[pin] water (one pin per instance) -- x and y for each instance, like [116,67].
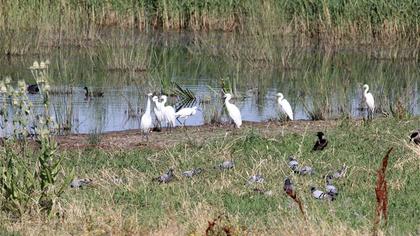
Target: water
[310,75]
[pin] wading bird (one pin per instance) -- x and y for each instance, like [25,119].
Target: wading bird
[168,113]
[321,143]
[233,111]
[158,110]
[285,106]
[185,113]
[369,100]
[146,119]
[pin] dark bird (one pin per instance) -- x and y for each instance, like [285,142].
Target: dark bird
[193,172]
[33,89]
[89,94]
[288,187]
[321,143]
[79,183]
[167,177]
[415,137]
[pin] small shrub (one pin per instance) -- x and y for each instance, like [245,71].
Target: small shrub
[30,178]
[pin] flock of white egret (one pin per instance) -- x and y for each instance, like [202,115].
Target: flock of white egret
[166,115]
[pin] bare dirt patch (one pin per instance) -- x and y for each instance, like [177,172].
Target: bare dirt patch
[132,139]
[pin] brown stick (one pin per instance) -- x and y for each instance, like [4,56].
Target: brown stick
[292,195]
[381,191]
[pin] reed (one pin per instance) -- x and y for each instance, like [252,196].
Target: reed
[60,22]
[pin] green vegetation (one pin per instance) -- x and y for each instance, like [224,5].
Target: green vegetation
[60,23]
[136,204]
[31,178]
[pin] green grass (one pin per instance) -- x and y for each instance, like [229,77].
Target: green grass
[184,206]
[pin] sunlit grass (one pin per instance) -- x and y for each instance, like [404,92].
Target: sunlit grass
[140,205]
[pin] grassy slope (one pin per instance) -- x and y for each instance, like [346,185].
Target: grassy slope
[185,206]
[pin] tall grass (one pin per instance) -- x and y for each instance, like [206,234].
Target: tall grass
[61,22]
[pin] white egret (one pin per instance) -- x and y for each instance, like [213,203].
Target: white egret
[158,111]
[146,119]
[233,111]
[168,113]
[369,100]
[285,106]
[185,113]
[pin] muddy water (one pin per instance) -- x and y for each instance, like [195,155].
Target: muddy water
[310,77]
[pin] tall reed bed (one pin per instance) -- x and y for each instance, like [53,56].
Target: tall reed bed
[79,22]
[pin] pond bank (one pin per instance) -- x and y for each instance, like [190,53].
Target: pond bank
[133,139]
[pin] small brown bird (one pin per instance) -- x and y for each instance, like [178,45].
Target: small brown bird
[321,143]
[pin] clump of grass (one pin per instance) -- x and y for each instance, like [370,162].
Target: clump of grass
[399,110]
[94,138]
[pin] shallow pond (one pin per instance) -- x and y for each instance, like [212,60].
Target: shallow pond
[315,78]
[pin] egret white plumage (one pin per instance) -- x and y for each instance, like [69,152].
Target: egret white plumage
[146,119]
[158,109]
[185,113]
[168,113]
[369,100]
[233,111]
[285,106]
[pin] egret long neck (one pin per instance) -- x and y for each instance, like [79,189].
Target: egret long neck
[227,99]
[366,89]
[148,105]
